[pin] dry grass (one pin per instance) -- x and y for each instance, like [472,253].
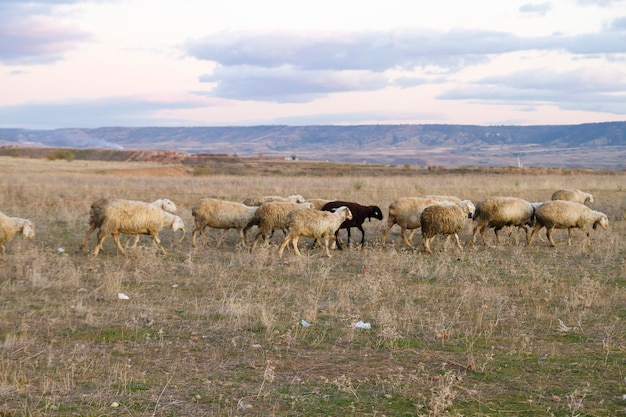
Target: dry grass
[218,331]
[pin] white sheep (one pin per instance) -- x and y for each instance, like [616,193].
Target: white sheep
[573,195]
[95,215]
[221,214]
[273,216]
[406,212]
[561,214]
[257,201]
[445,218]
[11,226]
[135,218]
[498,212]
[313,223]
[318,203]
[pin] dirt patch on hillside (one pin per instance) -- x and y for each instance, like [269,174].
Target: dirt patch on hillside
[152,172]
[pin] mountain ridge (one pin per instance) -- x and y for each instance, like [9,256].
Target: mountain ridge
[594,145]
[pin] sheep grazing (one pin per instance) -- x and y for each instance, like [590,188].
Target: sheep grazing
[561,214]
[406,212]
[257,201]
[310,222]
[273,216]
[359,214]
[445,218]
[135,218]
[573,195]
[498,212]
[221,214]
[95,211]
[11,226]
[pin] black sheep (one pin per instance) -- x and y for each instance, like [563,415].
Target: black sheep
[359,214]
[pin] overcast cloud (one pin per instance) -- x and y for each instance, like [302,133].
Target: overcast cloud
[189,62]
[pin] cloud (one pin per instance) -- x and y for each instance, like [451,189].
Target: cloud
[29,36]
[112,111]
[536,8]
[601,3]
[295,66]
[590,89]
[372,50]
[286,84]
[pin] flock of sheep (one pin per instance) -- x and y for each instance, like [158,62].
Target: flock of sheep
[321,220]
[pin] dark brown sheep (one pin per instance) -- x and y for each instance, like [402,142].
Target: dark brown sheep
[359,214]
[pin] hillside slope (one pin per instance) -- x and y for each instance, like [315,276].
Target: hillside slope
[596,145]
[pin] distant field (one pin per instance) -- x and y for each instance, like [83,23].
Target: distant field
[483,331]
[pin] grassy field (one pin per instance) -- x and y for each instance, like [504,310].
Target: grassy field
[484,331]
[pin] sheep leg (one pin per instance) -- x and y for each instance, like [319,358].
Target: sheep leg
[294,243]
[362,235]
[101,238]
[193,237]
[326,243]
[116,239]
[536,230]
[219,241]
[92,227]
[4,250]
[458,242]
[135,243]
[549,234]
[338,240]
[283,245]
[390,224]
[427,241]
[407,241]
[475,234]
[199,230]
[496,230]
[157,242]
[242,236]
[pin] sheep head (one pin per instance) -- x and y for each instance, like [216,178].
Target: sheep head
[28,230]
[603,221]
[168,205]
[376,213]
[178,224]
[469,207]
[348,213]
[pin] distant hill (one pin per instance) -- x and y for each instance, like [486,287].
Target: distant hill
[593,145]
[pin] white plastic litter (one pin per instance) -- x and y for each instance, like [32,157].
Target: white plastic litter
[123,296]
[60,250]
[305,323]
[362,325]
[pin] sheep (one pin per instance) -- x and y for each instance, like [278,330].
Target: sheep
[561,214]
[257,201]
[445,218]
[573,195]
[318,203]
[406,212]
[498,212]
[310,222]
[359,214]
[221,214]
[11,226]
[95,219]
[135,218]
[273,215]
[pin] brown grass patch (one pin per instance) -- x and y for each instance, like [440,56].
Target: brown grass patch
[218,331]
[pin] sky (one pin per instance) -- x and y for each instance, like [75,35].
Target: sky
[88,64]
